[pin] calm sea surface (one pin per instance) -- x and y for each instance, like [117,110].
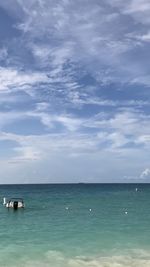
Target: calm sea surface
[89,225]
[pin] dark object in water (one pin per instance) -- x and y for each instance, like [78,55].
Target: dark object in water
[15,205]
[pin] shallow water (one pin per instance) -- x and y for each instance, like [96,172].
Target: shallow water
[76,225]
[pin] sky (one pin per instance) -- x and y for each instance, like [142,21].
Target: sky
[74,91]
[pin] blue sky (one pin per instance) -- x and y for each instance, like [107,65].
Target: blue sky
[74,91]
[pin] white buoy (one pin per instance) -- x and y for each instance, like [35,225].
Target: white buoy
[136,189]
[126,212]
[67,208]
[90,209]
[4,201]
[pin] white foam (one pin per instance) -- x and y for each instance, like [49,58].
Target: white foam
[133,258]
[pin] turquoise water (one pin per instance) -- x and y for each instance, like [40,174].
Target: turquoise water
[76,225]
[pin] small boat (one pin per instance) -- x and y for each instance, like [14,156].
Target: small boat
[14,203]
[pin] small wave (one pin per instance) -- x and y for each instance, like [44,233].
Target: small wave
[135,258]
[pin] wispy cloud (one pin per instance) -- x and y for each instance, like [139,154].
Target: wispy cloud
[78,73]
[85,36]
[13,79]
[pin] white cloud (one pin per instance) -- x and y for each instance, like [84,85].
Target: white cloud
[14,79]
[145,139]
[137,9]
[39,147]
[119,129]
[89,35]
[145,174]
[117,139]
[26,153]
[144,37]
[42,106]
[82,33]
[90,149]
[69,43]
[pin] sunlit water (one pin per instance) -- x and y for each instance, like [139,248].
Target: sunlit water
[76,225]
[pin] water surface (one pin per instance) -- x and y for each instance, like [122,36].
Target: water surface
[91,225]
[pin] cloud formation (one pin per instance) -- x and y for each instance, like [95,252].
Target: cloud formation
[74,87]
[145,174]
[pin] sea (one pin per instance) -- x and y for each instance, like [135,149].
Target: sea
[76,225]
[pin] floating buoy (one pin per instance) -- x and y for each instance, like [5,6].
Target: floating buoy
[126,212]
[67,208]
[136,189]
[90,209]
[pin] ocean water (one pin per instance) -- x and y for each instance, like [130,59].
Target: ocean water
[89,225]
